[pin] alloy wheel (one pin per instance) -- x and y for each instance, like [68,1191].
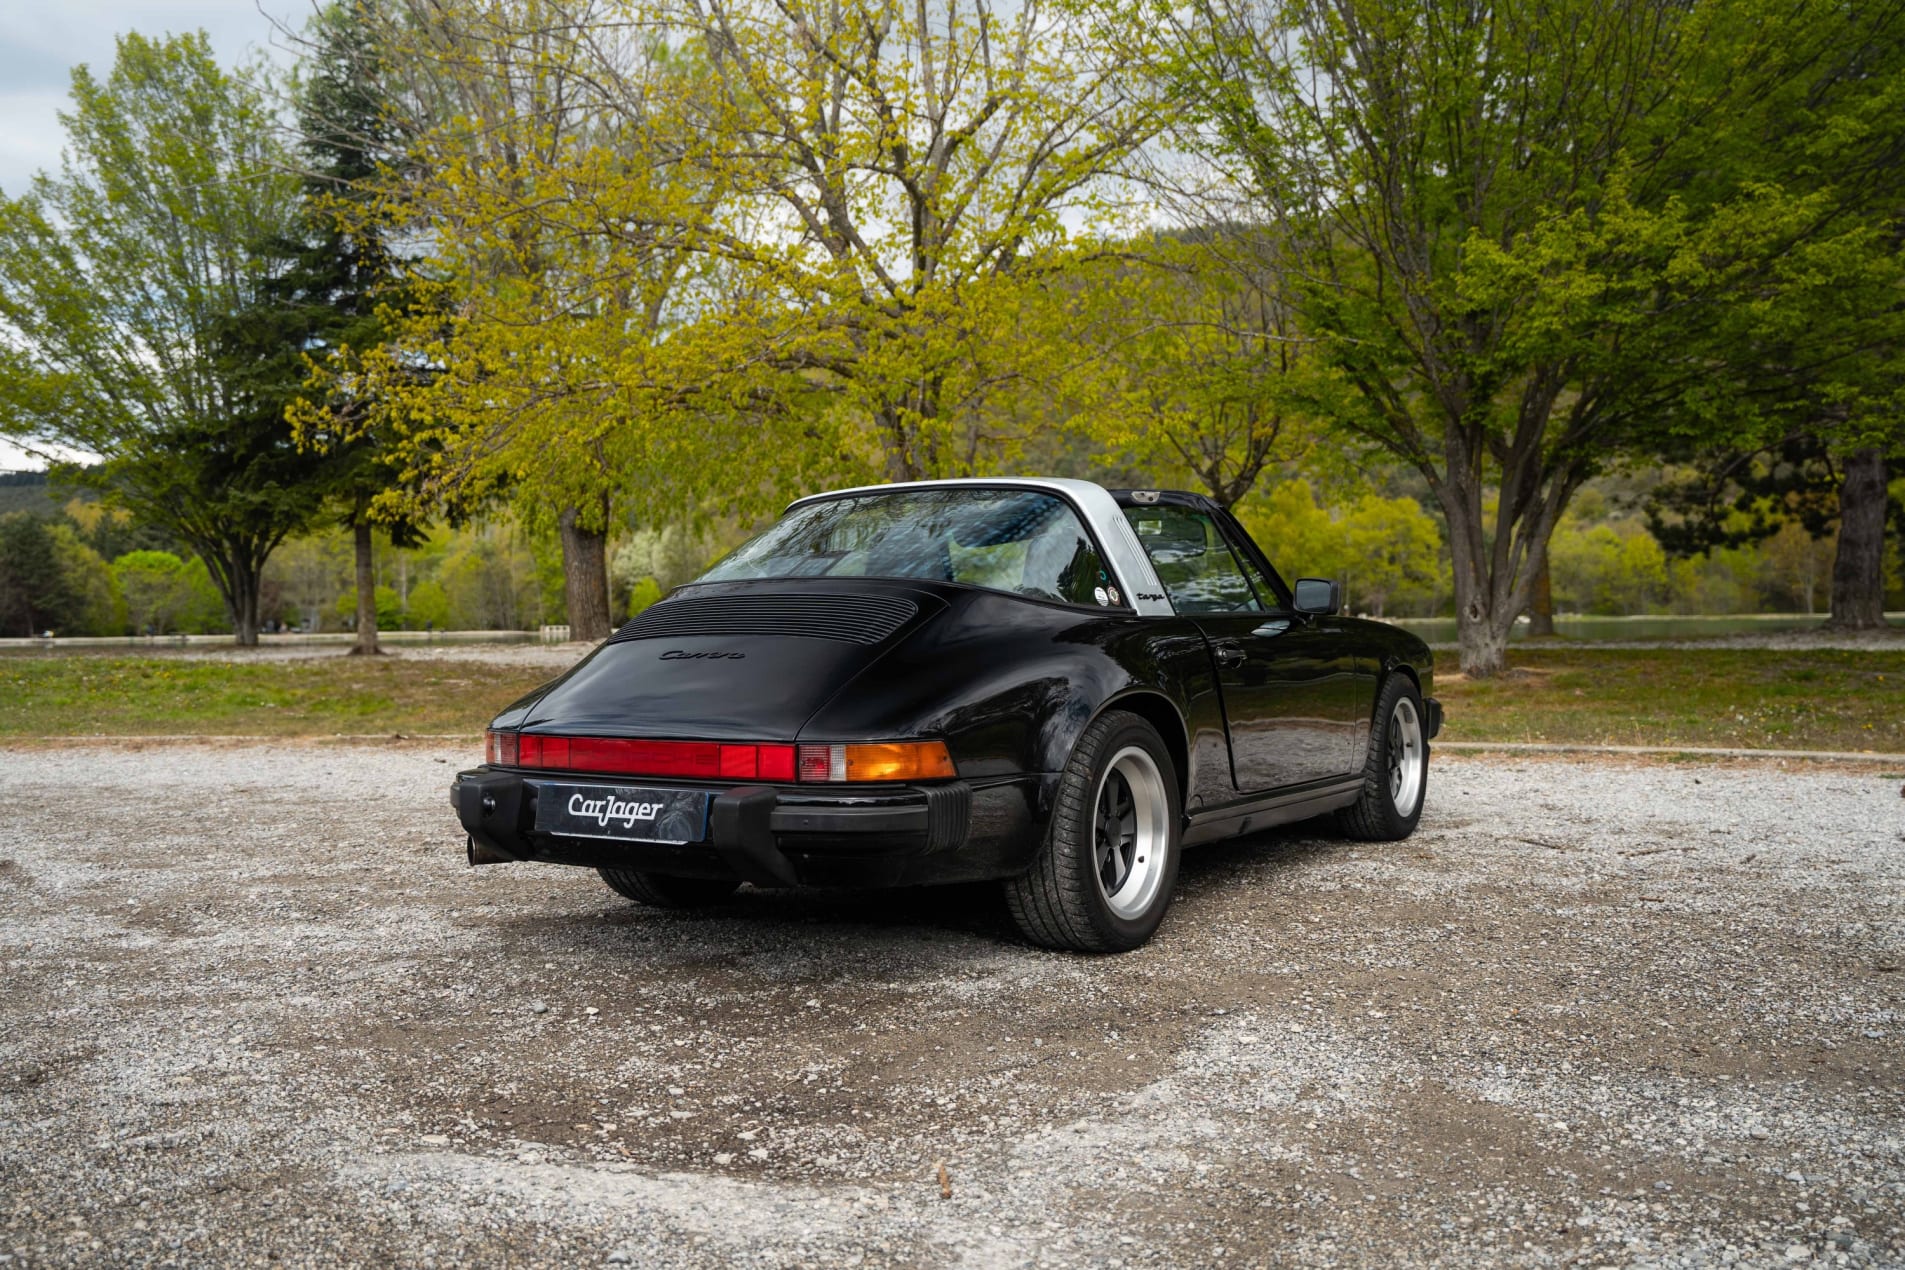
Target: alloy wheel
[1405,757]
[1130,832]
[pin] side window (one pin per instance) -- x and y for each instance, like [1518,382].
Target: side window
[1194,563]
[1270,592]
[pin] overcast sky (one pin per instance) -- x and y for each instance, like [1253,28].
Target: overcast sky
[42,40]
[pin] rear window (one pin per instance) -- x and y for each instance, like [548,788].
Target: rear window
[1023,541]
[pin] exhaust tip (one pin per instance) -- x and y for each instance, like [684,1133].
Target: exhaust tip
[480,854]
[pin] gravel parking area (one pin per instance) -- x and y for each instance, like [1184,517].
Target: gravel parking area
[256,1009]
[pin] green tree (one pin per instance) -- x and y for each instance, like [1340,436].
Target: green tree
[490,579]
[1786,496]
[344,277]
[1799,564]
[429,607]
[118,280]
[645,592]
[671,555]
[311,570]
[649,563]
[1520,231]
[1390,547]
[388,608]
[1197,365]
[1298,535]
[1608,570]
[665,248]
[50,580]
[555,316]
[1723,580]
[905,182]
[34,594]
[157,592]
[1379,548]
[204,611]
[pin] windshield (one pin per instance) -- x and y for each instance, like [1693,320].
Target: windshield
[1022,541]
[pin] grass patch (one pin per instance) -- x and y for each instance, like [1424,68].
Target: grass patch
[1747,698]
[1767,699]
[319,696]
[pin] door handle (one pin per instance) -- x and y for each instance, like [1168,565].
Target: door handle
[1229,655]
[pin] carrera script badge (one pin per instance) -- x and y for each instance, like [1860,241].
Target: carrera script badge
[676,654]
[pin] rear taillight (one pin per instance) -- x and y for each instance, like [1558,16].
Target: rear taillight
[722,760]
[877,761]
[695,760]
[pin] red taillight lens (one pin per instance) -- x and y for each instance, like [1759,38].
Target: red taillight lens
[877,761]
[774,763]
[694,760]
[723,760]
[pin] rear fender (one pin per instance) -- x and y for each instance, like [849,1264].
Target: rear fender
[1172,685]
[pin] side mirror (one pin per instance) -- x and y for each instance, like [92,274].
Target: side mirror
[1318,597]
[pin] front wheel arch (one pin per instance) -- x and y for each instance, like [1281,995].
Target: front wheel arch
[1396,666]
[1392,666]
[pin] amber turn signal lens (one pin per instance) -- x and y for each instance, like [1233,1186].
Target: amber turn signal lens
[899,761]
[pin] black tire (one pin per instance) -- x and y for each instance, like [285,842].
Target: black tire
[661,891]
[1375,816]
[1062,901]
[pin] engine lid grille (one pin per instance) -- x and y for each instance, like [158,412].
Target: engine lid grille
[853,619]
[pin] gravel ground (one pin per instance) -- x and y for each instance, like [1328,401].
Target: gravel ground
[1592,1013]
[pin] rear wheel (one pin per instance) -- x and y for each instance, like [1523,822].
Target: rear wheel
[1103,878]
[1396,773]
[661,891]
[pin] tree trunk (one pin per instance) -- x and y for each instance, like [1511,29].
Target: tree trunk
[901,445]
[237,569]
[1541,612]
[585,578]
[1481,634]
[1858,569]
[1492,587]
[242,603]
[1481,639]
[366,644]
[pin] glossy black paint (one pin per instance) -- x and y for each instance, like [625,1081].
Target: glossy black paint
[1295,697]
[1266,715]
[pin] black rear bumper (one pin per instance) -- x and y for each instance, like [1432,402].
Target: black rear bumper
[775,835]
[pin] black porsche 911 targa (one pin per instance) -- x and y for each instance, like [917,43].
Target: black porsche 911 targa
[1036,681]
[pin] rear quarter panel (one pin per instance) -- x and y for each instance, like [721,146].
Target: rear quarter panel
[1009,684]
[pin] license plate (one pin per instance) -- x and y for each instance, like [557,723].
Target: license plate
[626,813]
